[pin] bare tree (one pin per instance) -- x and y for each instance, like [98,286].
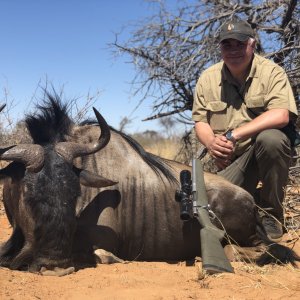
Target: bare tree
[124,123]
[171,49]
[167,124]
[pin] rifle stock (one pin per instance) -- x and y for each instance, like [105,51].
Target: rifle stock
[214,259]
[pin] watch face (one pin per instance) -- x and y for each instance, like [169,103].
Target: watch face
[228,135]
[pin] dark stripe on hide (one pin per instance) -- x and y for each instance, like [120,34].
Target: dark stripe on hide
[132,211]
[156,224]
[143,215]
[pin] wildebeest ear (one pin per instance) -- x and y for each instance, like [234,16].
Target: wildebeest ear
[13,170]
[93,180]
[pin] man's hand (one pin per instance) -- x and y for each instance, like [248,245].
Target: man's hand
[221,150]
[218,146]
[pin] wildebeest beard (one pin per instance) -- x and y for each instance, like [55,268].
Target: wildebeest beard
[51,195]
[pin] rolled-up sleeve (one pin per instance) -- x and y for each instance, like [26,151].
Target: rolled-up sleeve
[279,93]
[199,112]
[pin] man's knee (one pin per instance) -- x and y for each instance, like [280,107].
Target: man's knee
[272,141]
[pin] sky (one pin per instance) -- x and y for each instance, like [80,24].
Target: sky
[65,43]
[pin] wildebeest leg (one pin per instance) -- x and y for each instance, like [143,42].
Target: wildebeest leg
[23,258]
[246,254]
[92,234]
[106,257]
[57,271]
[11,247]
[93,237]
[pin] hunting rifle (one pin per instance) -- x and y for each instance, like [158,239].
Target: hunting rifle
[194,204]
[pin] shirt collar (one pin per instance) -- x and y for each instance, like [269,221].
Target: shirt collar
[253,70]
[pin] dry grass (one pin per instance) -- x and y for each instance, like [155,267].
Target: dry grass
[164,148]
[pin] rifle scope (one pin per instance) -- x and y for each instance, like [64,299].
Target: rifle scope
[184,196]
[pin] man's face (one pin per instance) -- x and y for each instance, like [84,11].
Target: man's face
[237,55]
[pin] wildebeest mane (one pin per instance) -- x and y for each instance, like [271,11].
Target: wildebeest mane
[51,123]
[158,165]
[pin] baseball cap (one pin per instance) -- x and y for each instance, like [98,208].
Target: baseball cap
[236,29]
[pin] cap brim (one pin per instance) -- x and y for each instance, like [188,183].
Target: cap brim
[236,36]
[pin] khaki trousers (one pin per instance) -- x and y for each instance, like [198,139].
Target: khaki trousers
[268,161]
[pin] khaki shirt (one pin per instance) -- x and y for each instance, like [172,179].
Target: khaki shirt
[219,101]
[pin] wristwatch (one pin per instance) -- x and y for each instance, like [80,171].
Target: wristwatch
[229,136]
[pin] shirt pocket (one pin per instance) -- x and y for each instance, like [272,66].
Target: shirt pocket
[255,105]
[217,115]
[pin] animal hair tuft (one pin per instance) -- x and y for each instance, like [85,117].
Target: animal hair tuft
[51,123]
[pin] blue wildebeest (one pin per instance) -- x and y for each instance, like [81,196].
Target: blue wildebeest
[65,198]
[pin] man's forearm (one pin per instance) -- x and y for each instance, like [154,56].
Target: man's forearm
[204,133]
[274,118]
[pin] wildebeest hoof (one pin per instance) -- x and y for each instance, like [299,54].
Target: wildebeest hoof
[57,271]
[247,254]
[106,257]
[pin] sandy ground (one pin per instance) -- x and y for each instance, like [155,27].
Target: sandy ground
[154,280]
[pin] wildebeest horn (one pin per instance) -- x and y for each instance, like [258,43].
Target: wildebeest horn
[32,156]
[71,150]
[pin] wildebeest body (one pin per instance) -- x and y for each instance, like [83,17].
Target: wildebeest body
[139,218]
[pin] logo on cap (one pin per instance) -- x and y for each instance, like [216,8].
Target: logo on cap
[230,27]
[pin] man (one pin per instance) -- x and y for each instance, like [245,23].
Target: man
[240,105]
